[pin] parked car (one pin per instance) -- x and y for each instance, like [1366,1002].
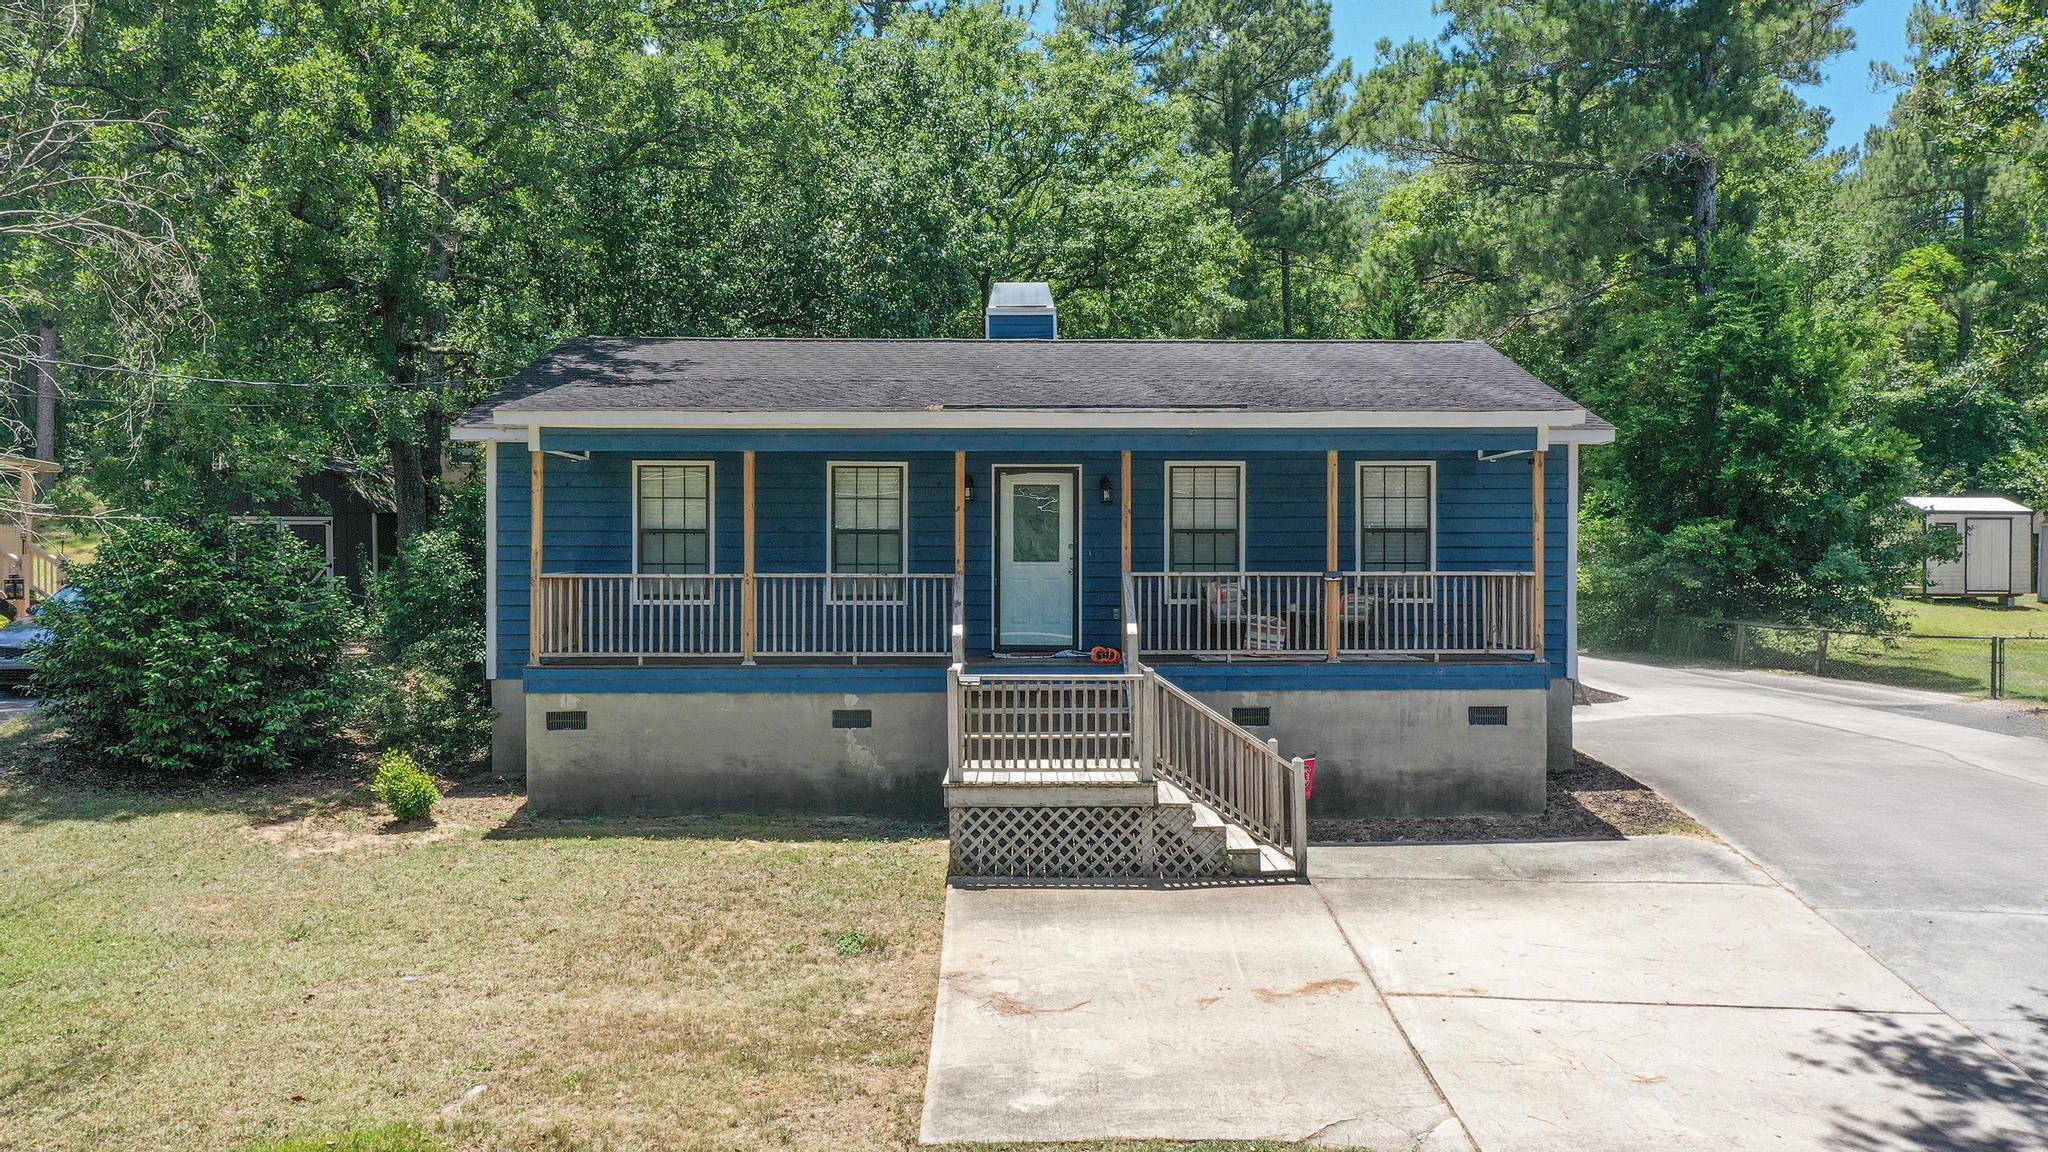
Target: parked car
[19,640]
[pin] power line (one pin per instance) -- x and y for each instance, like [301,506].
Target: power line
[354,385]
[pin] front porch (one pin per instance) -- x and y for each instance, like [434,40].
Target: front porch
[1149,603]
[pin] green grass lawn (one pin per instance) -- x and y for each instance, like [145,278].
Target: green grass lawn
[279,968]
[1978,617]
[1930,654]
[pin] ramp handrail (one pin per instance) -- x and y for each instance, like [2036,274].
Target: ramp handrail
[1218,763]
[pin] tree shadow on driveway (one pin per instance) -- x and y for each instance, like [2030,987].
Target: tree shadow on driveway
[1956,1082]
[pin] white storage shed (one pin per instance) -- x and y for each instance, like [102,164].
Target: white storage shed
[1994,554]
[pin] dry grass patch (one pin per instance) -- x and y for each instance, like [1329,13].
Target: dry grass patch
[282,967]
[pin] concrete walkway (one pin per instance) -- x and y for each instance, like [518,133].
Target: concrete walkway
[1653,993]
[1901,816]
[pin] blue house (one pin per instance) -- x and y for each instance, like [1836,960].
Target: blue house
[1099,600]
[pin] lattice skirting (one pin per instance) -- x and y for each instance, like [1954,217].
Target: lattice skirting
[1184,853]
[1092,842]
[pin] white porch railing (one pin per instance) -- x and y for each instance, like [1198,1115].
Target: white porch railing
[1055,723]
[1214,761]
[1063,725]
[1288,613]
[830,616]
[794,615]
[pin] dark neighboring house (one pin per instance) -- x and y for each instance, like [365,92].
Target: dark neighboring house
[1099,600]
[355,532]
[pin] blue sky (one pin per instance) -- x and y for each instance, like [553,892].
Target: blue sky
[1880,27]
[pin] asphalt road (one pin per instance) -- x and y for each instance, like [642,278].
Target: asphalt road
[1915,822]
[13,704]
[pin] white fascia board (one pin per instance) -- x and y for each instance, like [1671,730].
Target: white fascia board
[486,435]
[1085,419]
[1582,435]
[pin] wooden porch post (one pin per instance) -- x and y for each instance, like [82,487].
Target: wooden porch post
[1333,584]
[748,623]
[537,617]
[1536,542]
[1127,514]
[959,557]
[26,567]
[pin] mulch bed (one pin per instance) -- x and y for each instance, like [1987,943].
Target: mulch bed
[1588,801]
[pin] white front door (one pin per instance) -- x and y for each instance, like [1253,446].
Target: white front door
[1035,559]
[1987,555]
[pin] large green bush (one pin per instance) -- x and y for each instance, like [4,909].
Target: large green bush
[204,649]
[424,689]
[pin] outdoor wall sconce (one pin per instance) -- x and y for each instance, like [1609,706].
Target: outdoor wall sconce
[967,491]
[1104,489]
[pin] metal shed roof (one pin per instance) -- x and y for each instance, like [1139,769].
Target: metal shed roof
[1966,504]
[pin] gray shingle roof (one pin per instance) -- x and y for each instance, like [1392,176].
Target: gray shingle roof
[615,374]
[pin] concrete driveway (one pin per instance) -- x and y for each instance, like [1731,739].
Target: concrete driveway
[1653,993]
[1914,822]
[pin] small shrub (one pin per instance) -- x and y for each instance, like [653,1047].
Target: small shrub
[403,785]
[203,649]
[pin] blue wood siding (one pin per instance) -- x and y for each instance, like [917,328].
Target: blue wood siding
[1483,507]
[1019,327]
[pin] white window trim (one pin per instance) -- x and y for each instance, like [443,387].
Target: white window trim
[903,527]
[1166,511]
[1358,511]
[710,522]
[326,522]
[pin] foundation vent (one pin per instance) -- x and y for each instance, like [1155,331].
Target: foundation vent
[568,721]
[1487,715]
[852,718]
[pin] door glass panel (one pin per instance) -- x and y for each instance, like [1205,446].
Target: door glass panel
[1035,524]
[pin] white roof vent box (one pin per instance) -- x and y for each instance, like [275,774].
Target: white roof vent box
[1020,310]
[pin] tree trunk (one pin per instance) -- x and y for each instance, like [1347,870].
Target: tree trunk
[1705,216]
[1286,295]
[1965,317]
[46,391]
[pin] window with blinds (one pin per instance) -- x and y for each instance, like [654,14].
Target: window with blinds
[867,529]
[1395,507]
[672,515]
[1204,517]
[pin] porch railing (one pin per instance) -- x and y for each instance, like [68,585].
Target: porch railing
[1058,723]
[40,570]
[1229,614]
[1244,779]
[1062,725]
[814,615]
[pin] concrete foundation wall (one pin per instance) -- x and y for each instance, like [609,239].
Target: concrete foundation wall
[508,729]
[1559,754]
[745,751]
[1400,753]
[1409,753]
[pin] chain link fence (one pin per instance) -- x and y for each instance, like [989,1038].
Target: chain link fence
[1996,666]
